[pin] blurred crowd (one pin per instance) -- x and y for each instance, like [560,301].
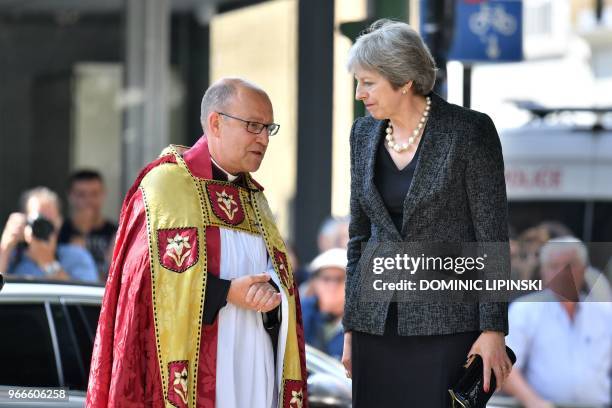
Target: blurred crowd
[38,243]
[563,343]
[563,340]
[525,249]
[562,336]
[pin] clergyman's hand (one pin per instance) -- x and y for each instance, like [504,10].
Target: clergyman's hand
[253,292]
[263,297]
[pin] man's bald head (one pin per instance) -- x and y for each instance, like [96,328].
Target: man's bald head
[222,93]
[230,109]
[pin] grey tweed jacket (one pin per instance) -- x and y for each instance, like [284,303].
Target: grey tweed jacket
[458,194]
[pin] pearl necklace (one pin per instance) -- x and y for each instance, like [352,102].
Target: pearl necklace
[402,147]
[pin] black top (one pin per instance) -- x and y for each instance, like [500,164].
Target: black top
[218,288]
[392,183]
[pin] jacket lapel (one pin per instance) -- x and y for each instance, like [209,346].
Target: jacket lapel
[378,210]
[436,144]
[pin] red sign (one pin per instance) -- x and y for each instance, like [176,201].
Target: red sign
[549,179]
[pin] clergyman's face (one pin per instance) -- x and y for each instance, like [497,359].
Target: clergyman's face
[241,150]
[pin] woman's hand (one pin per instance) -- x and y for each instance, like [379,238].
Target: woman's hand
[346,354]
[491,346]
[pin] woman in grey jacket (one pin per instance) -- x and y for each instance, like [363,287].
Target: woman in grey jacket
[422,170]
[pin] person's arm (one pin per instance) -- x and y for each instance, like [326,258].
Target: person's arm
[78,263]
[523,318]
[486,192]
[519,388]
[46,256]
[218,294]
[11,236]
[359,229]
[254,292]
[217,290]
[359,233]
[272,318]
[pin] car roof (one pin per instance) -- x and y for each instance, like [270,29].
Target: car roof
[15,289]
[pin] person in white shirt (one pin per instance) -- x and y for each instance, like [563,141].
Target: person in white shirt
[562,336]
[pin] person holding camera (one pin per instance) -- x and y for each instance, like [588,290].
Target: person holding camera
[29,247]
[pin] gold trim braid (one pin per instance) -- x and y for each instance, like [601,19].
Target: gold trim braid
[275,244]
[178,295]
[178,298]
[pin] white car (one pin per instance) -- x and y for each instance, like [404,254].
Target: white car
[47,332]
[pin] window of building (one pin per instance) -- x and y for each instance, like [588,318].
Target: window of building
[546,28]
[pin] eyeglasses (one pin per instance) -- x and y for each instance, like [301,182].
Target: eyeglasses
[255,127]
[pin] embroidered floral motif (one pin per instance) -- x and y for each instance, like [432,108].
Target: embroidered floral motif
[297,399]
[294,393]
[175,247]
[180,384]
[178,378]
[283,269]
[227,204]
[178,248]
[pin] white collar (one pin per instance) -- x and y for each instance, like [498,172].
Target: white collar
[230,176]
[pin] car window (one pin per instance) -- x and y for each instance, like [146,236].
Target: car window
[91,314]
[26,351]
[84,320]
[72,365]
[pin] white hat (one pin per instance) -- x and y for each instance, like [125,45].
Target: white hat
[335,257]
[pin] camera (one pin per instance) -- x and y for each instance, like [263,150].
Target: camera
[42,228]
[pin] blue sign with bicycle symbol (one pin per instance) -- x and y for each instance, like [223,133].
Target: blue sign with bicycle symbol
[487,30]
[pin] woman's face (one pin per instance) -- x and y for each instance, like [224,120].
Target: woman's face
[377,94]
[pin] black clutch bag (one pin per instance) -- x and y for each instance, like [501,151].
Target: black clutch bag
[469,391]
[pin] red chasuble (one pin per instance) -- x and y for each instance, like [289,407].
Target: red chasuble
[136,361]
